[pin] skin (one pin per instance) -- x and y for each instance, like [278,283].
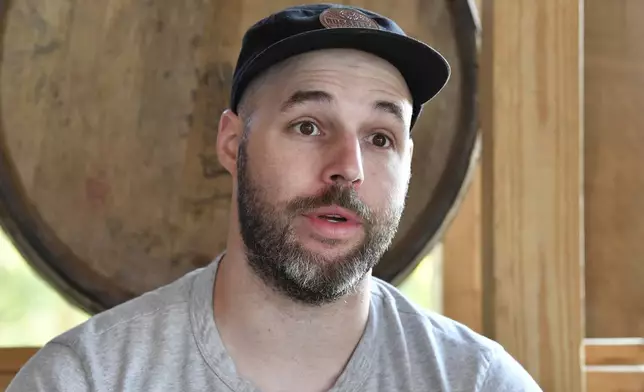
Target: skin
[338,137]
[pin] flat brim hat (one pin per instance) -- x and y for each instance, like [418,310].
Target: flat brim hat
[305,28]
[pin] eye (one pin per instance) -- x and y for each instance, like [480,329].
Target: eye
[307,128]
[381,140]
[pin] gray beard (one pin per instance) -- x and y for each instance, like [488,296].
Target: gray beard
[282,263]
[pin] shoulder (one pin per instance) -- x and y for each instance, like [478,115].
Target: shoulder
[440,331]
[139,315]
[147,326]
[455,353]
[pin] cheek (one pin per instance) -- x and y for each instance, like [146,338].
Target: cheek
[283,172]
[385,184]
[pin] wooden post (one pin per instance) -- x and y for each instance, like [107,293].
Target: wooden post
[531,112]
[462,283]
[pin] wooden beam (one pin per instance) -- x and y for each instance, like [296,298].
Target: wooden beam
[461,261]
[531,112]
[11,360]
[615,379]
[462,283]
[614,352]
[615,365]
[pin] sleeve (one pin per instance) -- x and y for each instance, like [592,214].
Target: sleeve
[505,374]
[54,368]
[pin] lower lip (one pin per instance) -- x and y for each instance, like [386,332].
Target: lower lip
[333,230]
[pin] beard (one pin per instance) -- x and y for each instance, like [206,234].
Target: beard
[284,264]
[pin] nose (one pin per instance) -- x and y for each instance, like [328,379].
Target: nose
[344,163]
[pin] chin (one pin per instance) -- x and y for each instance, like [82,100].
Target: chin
[330,250]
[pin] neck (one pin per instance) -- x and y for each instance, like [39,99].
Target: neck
[269,336]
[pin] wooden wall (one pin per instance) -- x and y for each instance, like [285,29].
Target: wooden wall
[614,165]
[519,225]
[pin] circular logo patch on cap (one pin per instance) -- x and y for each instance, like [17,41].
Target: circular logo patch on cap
[346,17]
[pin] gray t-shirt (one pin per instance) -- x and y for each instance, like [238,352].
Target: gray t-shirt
[166,340]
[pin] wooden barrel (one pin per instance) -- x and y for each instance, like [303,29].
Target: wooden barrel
[109,180]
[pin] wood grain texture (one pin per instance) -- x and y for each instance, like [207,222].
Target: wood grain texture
[614,159]
[614,364]
[462,279]
[627,351]
[615,379]
[531,108]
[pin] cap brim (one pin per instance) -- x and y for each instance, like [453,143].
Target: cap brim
[425,70]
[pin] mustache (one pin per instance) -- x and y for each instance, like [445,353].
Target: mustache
[342,196]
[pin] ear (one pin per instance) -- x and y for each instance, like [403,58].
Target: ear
[228,136]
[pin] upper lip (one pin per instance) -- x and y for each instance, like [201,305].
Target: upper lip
[336,210]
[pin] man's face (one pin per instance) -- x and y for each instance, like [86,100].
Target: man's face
[323,171]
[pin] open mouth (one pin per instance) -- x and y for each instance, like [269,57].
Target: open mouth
[335,215]
[333,222]
[333,218]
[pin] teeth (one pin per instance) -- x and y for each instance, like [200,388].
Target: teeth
[333,218]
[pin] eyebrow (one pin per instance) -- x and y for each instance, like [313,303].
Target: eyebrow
[300,97]
[303,96]
[390,107]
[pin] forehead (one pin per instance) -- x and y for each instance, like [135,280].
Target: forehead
[346,73]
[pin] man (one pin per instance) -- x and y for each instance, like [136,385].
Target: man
[318,142]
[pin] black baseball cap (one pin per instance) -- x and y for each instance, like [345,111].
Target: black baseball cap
[300,29]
